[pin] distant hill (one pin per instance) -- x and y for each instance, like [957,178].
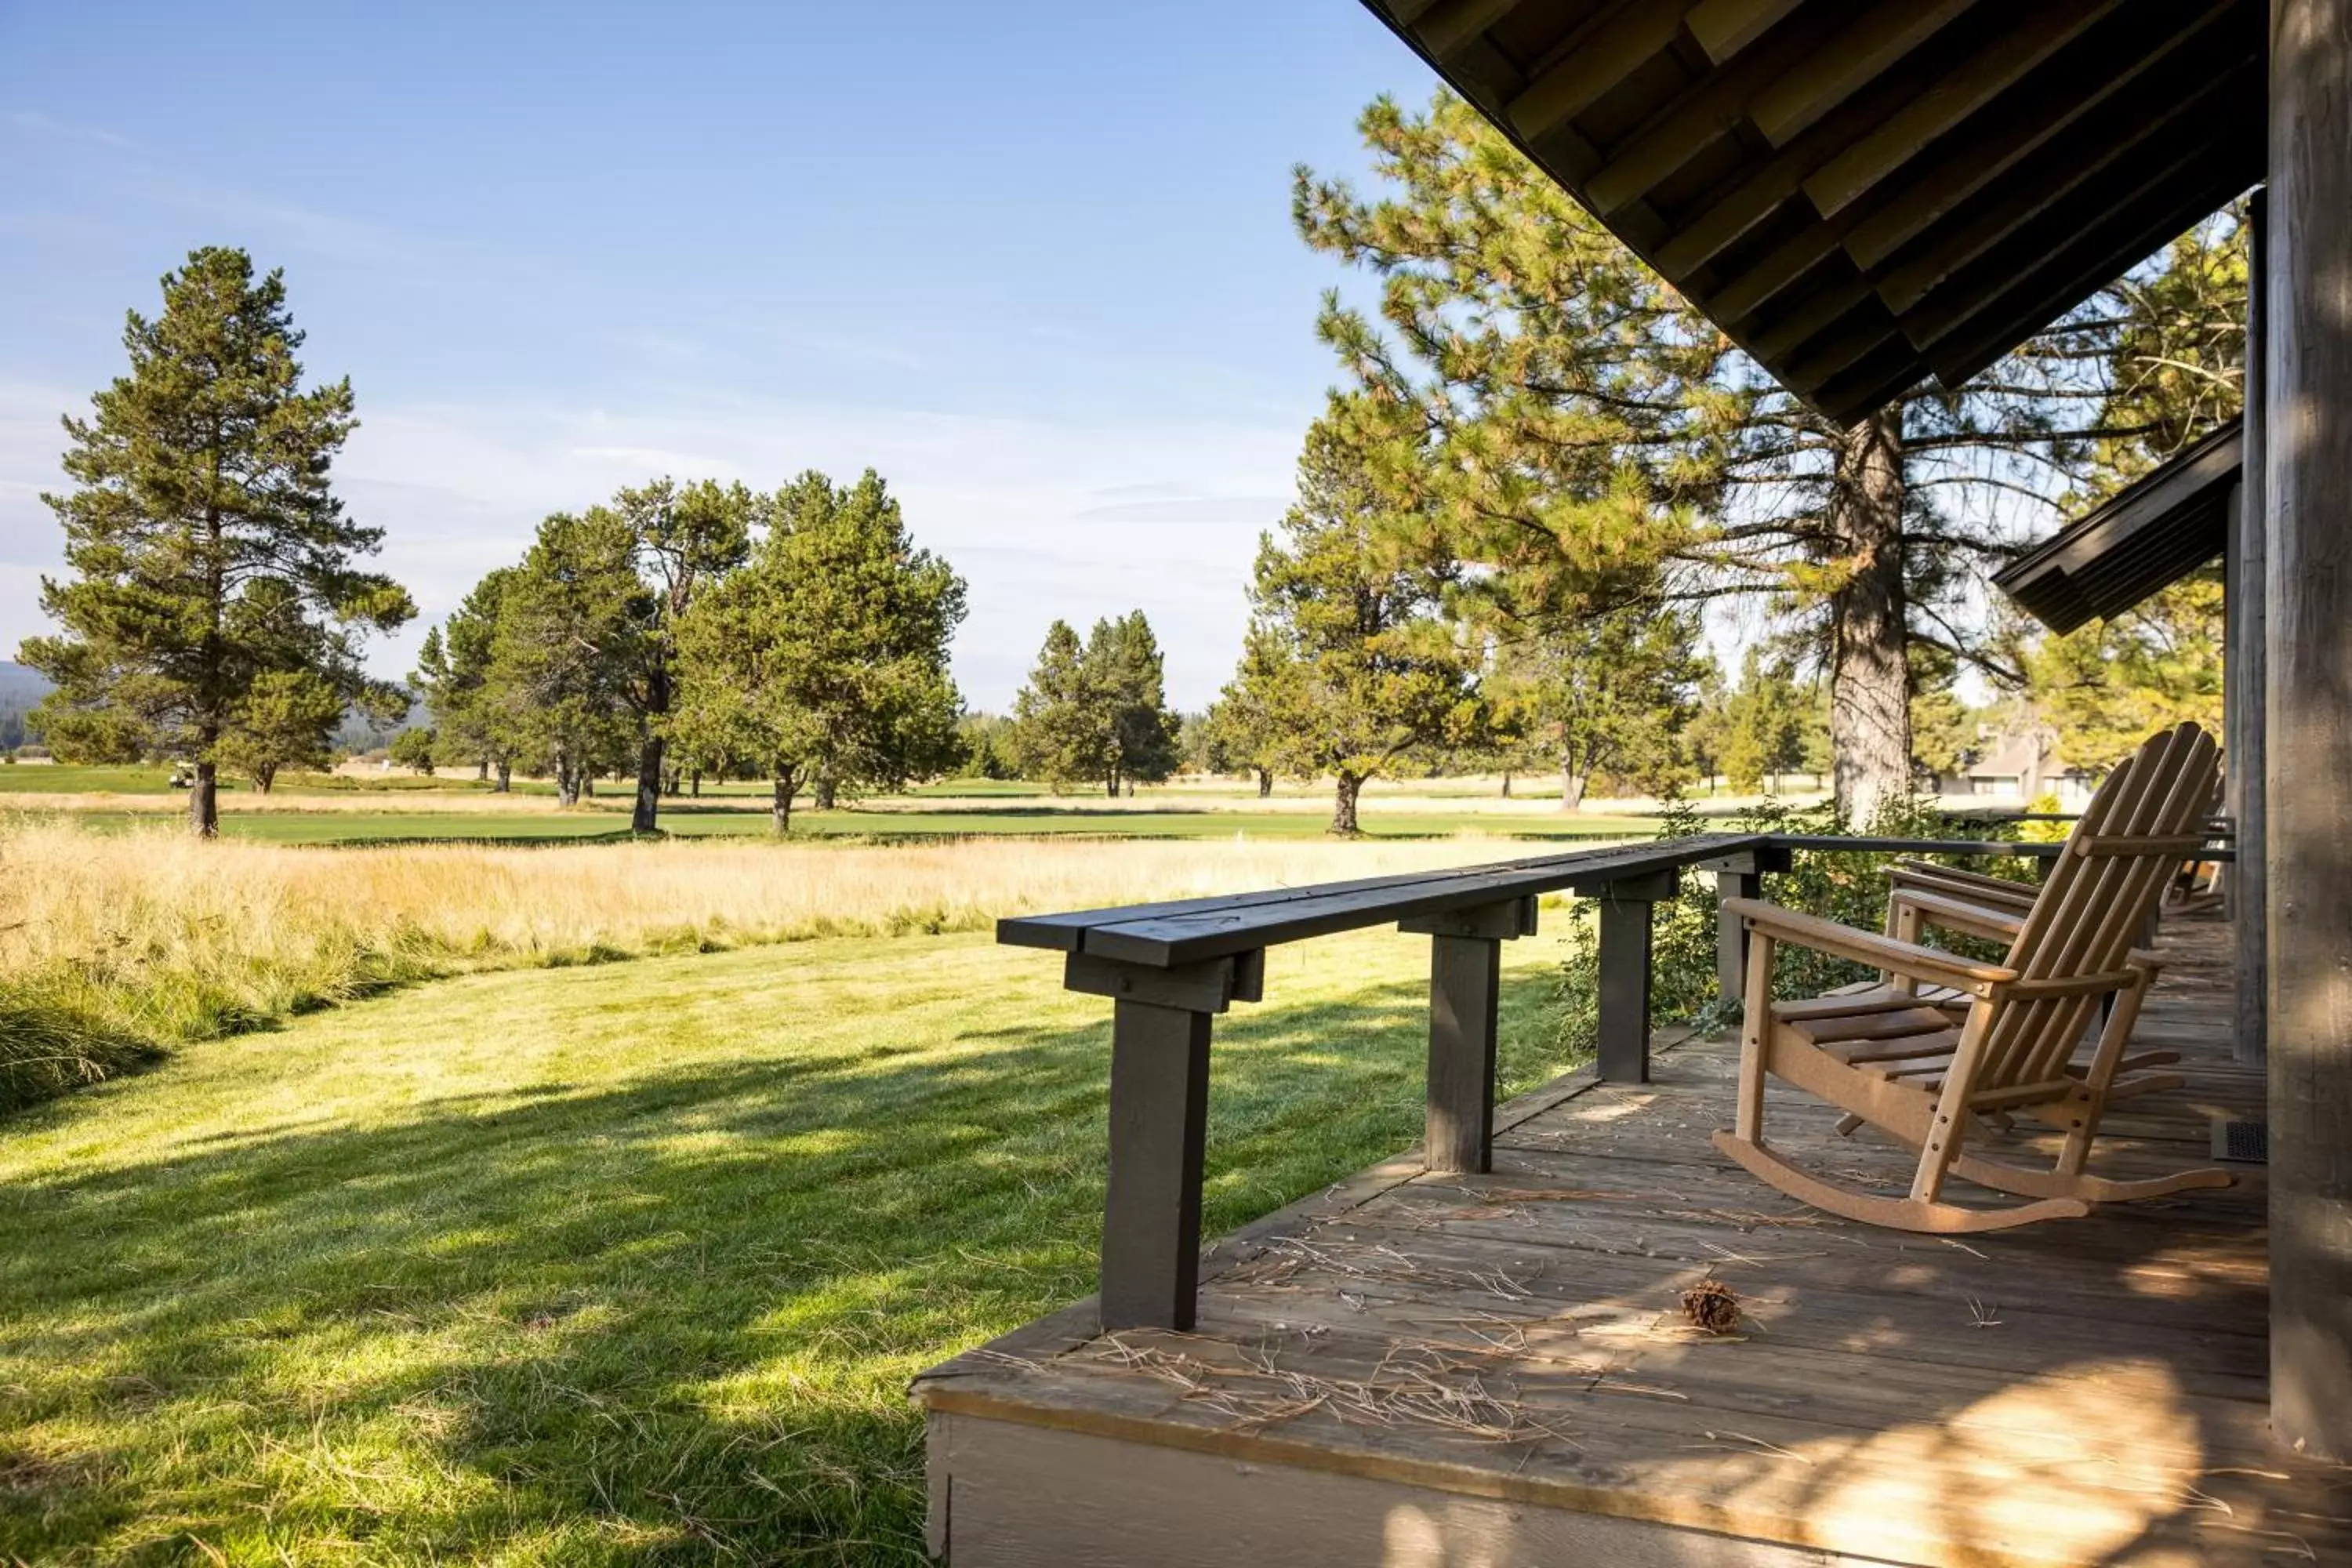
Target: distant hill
[20,686]
[19,689]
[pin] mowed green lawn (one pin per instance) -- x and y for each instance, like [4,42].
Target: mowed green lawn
[627,1264]
[1194,811]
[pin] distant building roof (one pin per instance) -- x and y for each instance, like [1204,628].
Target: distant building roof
[2153,534]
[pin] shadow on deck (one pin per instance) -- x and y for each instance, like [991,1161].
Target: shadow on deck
[1420,1369]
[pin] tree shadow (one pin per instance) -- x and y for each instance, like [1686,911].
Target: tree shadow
[663,1319]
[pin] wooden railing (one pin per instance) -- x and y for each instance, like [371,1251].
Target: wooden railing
[1170,968]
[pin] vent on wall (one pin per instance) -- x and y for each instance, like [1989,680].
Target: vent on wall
[2247,1142]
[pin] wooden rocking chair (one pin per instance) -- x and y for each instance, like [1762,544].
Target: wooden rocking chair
[1993,1039]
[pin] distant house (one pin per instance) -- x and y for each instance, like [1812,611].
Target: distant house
[2021,766]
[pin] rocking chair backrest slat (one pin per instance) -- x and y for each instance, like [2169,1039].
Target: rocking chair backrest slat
[2093,906]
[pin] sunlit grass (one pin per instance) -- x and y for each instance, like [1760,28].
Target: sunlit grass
[115,946]
[627,1264]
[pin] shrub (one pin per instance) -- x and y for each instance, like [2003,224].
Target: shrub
[1849,887]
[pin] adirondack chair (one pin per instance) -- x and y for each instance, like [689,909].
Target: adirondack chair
[1921,1070]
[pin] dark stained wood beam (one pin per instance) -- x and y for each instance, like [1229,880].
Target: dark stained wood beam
[1920,194]
[1992,69]
[1857,333]
[1818,310]
[1714,107]
[2064,186]
[1993,332]
[1871,383]
[1724,27]
[1830,75]
[1759,190]
[1590,61]
[1448,25]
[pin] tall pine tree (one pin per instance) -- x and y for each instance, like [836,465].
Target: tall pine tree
[211,558]
[825,657]
[1125,670]
[1064,729]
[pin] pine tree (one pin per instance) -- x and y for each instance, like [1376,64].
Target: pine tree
[208,549]
[825,657]
[1243,724]
[1064,728]
[453,670]
[1125,670]
[1764,723]
[688,537]
[1572,416]
[1604,693]
[1362,669]
[567,647]
[282,722]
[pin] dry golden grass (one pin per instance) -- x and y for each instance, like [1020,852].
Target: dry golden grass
[471,802]
[115,945]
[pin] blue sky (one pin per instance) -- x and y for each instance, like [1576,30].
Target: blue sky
[1033,262]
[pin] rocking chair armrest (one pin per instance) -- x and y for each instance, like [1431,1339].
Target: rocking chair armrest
[1955,913]
[1974,886]
[2073,985]
[1905,958]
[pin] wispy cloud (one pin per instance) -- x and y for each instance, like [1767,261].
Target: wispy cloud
[32,122]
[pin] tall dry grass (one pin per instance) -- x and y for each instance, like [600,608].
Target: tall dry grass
[116,947]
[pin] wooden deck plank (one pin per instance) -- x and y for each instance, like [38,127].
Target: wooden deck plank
[2088,1391]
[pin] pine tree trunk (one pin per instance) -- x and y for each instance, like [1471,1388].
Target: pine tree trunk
[1507,783]
[1110,785]
[263,777]
[1343,804]
[1572,786]
[567,783]
[823,794]
[482,771]
[506,776]
[697,787]
[780,808]
[1870,697]
[645,817]
[1265,784]
[204,801]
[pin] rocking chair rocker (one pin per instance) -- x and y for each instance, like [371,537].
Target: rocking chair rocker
[1991,1040]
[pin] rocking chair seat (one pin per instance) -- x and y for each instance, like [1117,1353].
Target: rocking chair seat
[1944,1041]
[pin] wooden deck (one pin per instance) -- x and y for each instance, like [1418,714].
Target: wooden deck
[1497,1370]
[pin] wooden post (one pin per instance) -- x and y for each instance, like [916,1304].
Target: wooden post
[2307,848]
[1465,968]
[1738,876]
[2242,664]
[1626,908]
[1158,1126]
[1624,1045]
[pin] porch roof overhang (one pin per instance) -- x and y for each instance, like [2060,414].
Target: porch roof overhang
[2165,526]
[1863,194]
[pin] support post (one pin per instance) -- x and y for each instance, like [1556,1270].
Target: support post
[1737,875]
[1626,908]
[1465,968]
[2244,657]
[2307,848]
[1159,1127]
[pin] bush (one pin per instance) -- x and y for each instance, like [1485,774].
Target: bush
[1847,888]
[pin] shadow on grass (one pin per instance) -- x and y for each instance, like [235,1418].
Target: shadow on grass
[668,1318]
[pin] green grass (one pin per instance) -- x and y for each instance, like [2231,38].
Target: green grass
[627,1264]
[398,827]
